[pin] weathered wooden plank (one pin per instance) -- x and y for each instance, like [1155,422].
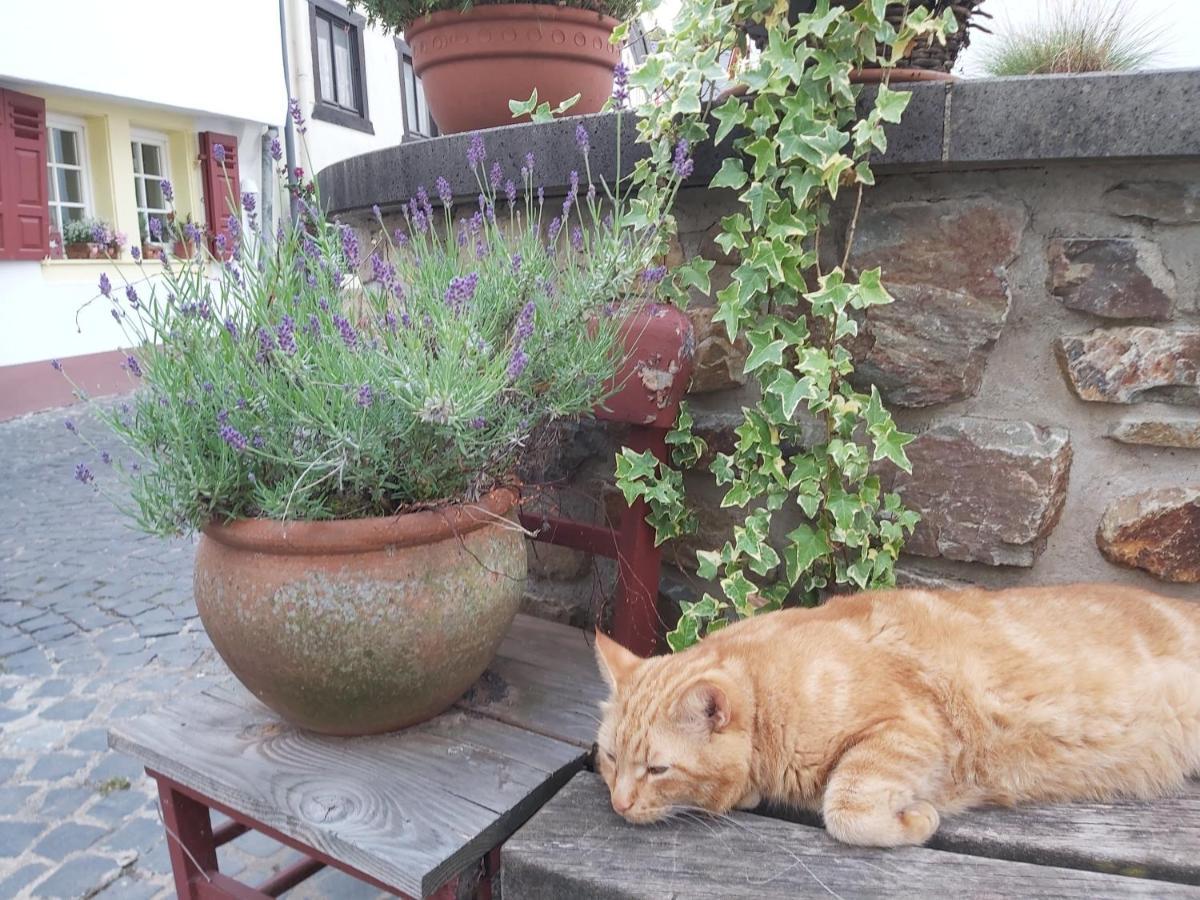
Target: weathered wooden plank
[544,679]
[577,847]
[411,808]
[1157,839]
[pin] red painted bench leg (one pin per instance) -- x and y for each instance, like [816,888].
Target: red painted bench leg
[636,621]
[189,841]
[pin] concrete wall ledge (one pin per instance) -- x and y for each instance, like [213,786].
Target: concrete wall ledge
[970,124]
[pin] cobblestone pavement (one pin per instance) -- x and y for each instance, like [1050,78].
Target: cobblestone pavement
[97,624]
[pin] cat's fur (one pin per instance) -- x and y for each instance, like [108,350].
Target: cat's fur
[886,710]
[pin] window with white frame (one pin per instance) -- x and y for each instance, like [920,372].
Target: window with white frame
[417,121]
[149,172]
[66,164]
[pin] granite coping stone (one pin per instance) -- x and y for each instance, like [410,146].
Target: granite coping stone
[972,123]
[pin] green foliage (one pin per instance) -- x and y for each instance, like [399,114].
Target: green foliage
[274,384]
[86,231]
[397,15]
[800,142]
[540,113]
[1074,36]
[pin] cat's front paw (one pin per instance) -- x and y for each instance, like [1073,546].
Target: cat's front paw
[919,821]
[914,824]
[751,800]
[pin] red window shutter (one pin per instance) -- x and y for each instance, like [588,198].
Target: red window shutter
[222,195]
[24,203]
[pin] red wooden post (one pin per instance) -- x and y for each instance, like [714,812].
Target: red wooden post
[189,840]
[636,620]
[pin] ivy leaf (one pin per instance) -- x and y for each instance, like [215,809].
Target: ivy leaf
[730,175]
[891,445]
[763,151]
[870,290]
[694,274]
[729,115]
[805,546]
[708,562]
[765,349]
[891,104]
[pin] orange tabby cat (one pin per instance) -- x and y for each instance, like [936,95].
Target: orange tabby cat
[886,710]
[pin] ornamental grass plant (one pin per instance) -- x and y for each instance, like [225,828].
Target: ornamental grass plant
[273,382]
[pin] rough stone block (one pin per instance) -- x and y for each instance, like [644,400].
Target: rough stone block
[718,362]
[945,263]
[987,490]
[710,249]
[67,838]
[1157,531]
[1117,278]
[1160,201]
[81,877]
[1124,365]
[1159,426]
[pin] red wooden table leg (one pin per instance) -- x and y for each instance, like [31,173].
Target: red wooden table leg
[189,840]
[636,623]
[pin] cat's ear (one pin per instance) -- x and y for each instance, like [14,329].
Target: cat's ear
[616,663]
[704,707]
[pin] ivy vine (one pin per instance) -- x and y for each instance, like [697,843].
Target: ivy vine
[798,141]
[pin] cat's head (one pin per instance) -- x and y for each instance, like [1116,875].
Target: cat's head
[675,733]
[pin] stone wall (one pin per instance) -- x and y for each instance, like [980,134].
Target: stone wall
[1044,346]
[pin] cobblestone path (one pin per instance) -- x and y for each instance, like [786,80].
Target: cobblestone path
[97,624]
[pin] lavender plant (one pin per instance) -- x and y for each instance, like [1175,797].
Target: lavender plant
[275,383]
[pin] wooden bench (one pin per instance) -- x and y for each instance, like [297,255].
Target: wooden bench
[417,813]
[578,847]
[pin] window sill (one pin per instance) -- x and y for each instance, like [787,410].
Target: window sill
[85,269]
[336,116]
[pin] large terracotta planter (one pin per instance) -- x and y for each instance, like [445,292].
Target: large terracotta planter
[362,626]
[472,63]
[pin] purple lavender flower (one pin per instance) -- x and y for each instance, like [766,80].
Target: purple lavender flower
[461,290]
[233,225]
[496,175]
[364,397]
[476,152]
[554,229]
[133,366]
[400,238]
[155,226]
[221,242]
[83,474]
[510,192]
[577,239]
[529,161]
[620,84]
[218,152]
[517,363]
[266,344]
[168,189]
[524,327]
[191,232]
[136,252]
[462,236]
[69,424]
[116,314]
[423,199]
[207,387]
[231,327]
[105,285]
[521,333]
[135,467]
[541,194]
[131,296]
[276,149]
[241,403]
[324,304]
[443,190]
[100,234]
[389,321]
[682,162]
[297,116]
[349,337]
[350,246]
[232,437]
[106,457]
[285,332]
[516,263]
[257,442]
[581,139]
[56,365]
[376,212]
[249,202]
[654,274]
[222,416]
[478,422]
[314,326]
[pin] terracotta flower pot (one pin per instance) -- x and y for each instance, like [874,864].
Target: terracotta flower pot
[362,626]
[656,367]
[85,251]
[472,63]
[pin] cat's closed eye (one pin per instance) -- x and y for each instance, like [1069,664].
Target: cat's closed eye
[657,770]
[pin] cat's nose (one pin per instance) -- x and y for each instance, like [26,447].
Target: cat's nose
[622,805]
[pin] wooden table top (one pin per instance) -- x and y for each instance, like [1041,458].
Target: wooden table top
[412,808]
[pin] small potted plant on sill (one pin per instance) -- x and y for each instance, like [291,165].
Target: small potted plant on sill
[90,239]
[152,238]
[187,236]
[347,451]
[473,58]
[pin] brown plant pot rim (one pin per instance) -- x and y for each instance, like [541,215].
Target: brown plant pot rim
[363,535]
[899,75]
[502,12]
